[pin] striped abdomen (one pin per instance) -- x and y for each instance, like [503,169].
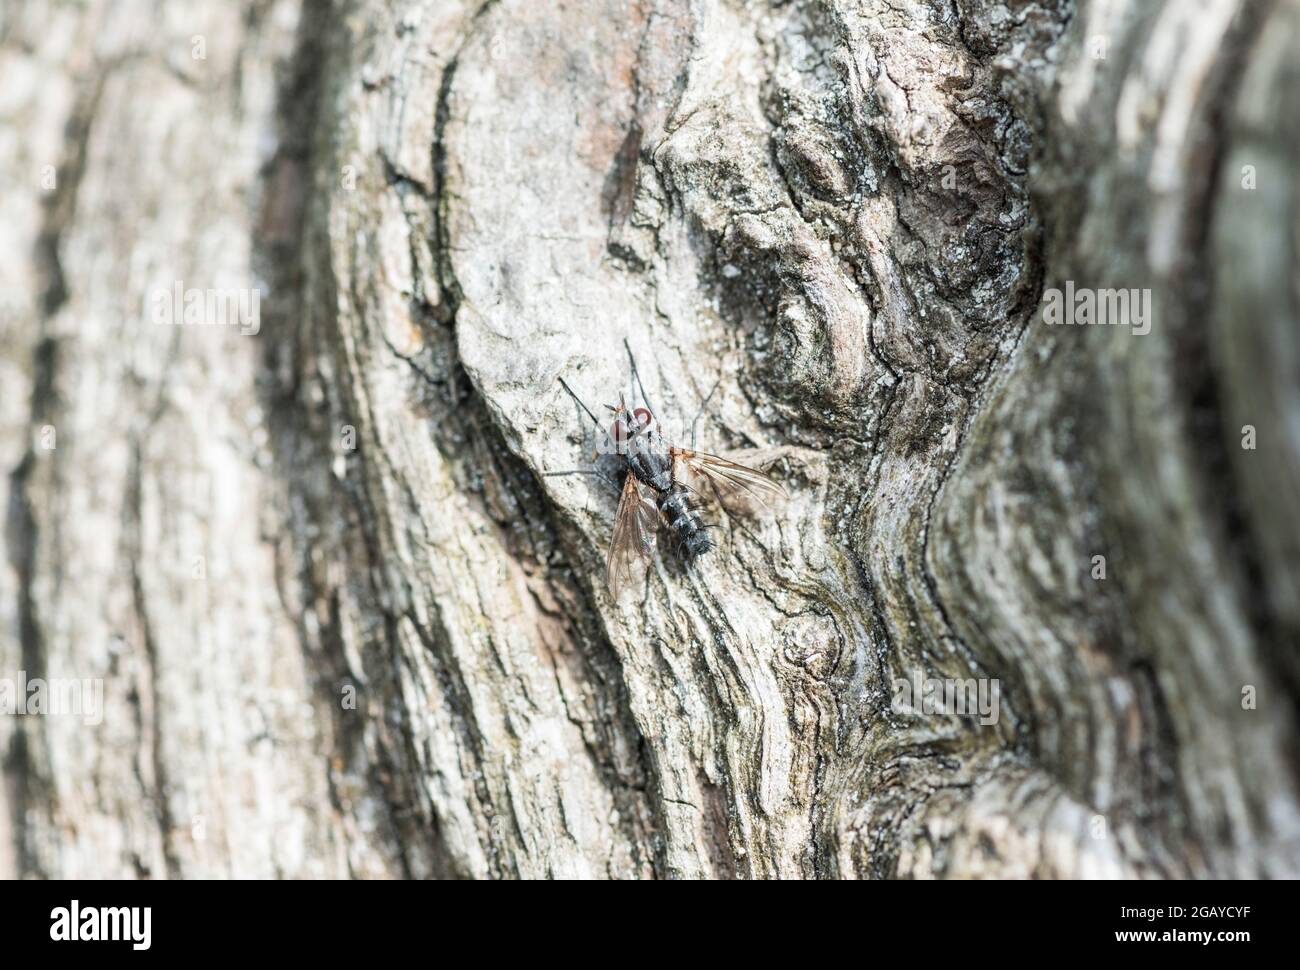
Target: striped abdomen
[685,522]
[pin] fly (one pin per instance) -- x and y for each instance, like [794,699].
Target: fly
[663,486]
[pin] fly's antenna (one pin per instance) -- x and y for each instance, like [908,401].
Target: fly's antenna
[594,419]
[636,374]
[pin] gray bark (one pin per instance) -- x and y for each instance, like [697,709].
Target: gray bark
[849,213]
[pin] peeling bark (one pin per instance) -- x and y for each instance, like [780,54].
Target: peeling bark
[346,625]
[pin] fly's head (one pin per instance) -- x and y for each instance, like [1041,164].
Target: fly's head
[630,428]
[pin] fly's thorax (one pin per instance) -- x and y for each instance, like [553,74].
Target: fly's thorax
[648,458]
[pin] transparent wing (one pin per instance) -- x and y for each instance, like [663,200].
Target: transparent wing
[728,478]
[635,527]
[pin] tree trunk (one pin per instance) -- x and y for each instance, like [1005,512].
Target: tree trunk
[346,626]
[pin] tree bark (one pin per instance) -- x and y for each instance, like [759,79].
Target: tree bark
[347,626]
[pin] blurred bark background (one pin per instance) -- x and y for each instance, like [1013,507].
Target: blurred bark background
[346,627]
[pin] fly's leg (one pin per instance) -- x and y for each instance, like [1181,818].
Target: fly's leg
[636,375]
[577,400]
[599,472]
[602,474]
[695,425]
[594,440]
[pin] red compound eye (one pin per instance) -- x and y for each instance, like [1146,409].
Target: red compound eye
[643,417]
[618,430]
